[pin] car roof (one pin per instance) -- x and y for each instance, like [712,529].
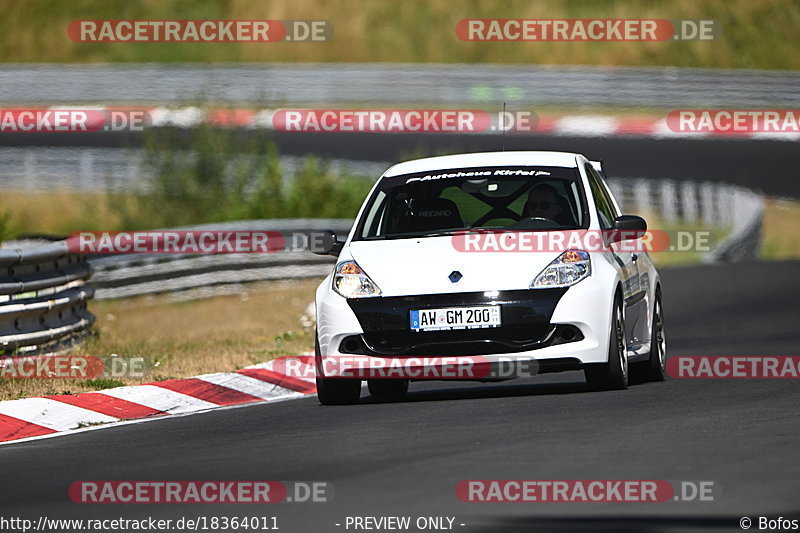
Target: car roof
[485,159]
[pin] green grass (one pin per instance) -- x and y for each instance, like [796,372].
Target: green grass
[82,425]
[781,240]
[103,383]
[219,334]
[755,34]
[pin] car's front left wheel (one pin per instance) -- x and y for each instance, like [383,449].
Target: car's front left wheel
[612,375]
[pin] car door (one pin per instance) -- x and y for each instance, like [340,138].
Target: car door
[633,303]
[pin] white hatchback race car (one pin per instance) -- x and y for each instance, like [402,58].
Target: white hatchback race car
[484,260]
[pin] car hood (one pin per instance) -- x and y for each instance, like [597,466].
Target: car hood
[423,266]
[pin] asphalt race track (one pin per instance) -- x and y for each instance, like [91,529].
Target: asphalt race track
[406,458]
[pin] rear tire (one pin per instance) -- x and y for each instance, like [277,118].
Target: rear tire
[612,375]
[388,389]
[334,391]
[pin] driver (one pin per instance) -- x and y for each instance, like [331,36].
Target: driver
[542,202]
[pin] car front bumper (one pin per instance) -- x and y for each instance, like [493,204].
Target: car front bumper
[541,330]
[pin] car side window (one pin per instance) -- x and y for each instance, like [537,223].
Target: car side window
[576,198]
[605,207]
[375,219]
[609,197]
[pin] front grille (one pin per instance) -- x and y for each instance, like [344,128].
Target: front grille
[385,321]
[487,341]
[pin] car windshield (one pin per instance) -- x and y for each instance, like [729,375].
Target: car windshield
[532,198]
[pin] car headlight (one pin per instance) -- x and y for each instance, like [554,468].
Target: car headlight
[352,282]
[565,270]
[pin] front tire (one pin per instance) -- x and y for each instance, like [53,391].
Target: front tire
[334,391]
[612,375]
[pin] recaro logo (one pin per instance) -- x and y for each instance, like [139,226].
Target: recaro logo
[441,213]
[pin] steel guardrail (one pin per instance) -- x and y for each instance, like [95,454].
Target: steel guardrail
[125,275]
[374,83]
[43,297]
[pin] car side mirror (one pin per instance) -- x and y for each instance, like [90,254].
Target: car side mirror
[629,227]
[325,243]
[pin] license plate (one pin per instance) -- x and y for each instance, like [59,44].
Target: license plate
[487,316]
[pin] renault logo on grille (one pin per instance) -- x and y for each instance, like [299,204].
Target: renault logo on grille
[454,276]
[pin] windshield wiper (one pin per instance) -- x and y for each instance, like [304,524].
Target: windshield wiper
[433,233]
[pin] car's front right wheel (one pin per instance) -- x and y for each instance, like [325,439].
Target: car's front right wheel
[612,375]
[335,391]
